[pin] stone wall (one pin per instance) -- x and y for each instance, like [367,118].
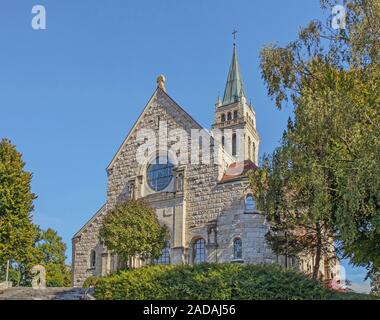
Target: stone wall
[86,240]
[251,229]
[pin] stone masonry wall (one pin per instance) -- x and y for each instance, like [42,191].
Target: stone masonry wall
[85,241]
[251,229]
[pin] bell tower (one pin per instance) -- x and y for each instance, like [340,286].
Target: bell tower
[233,112]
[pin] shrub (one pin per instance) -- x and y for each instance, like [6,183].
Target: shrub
[352,296]
[90,282]
[210,281]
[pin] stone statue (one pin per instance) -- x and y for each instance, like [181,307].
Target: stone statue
[39,278]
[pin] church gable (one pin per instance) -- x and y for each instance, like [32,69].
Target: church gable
[126,172]
[160,107]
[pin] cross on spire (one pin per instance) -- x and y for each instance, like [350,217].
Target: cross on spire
[234,34]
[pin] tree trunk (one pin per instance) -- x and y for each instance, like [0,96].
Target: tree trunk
[317,253]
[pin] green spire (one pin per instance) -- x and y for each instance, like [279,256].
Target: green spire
[234,90]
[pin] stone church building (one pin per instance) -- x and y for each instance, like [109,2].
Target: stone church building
[208,207]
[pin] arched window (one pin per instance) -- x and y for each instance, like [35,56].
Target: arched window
[238,249]
[229,116]
[223,117]
[249,203]
[165,257]
[199,251]
[253,152]
[234,144]
[235,114]
[222,141]
[92,259]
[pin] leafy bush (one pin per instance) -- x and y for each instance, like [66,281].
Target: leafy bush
[90,282]
[210,281]
[352,296]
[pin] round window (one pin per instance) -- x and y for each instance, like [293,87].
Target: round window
[160,173]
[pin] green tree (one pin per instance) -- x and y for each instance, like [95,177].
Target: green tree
[288,188]
[375,284]
[326,171]
[132,229]
[50,252]
[17,233]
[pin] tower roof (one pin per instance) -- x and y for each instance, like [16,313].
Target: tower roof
[234,90]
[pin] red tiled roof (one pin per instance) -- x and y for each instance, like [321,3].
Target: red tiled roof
[238,170]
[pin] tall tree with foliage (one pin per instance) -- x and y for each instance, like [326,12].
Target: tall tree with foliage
[17,233]
[326,172]
[289,188]
[132,229]
[50,252]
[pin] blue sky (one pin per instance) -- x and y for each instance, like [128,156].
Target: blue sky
[69,94]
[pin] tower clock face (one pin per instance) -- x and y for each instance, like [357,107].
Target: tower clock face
[160,173]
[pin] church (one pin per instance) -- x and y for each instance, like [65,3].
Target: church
[207,206]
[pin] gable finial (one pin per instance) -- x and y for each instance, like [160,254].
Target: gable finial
[161,82]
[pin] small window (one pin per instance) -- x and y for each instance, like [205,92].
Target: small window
[238,249]
[180,182]
[131,190]
[165,257]
[229,116]
[92,259]
[249,148]
[235,114]
[199,251]
[222,141]
[234,144]
[249,203]
[223,117]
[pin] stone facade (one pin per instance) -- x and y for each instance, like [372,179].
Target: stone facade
[201,201]
[189,213]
